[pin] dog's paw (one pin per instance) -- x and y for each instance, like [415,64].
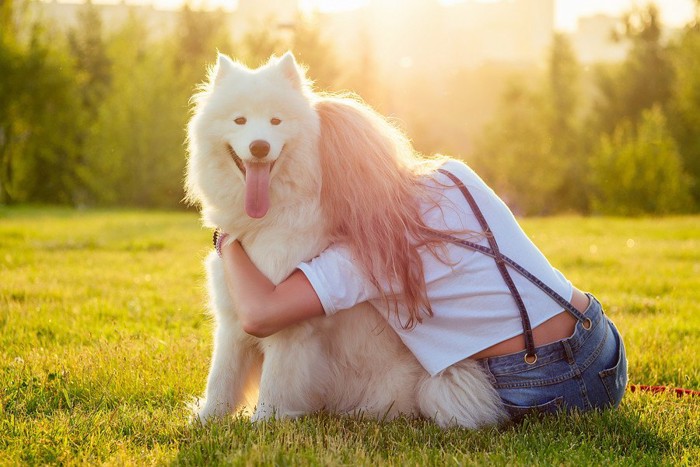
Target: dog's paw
[202,412]
[267,412]
[262,412]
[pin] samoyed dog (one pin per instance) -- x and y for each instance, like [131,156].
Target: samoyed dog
[253,168]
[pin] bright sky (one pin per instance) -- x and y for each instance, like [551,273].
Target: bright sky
[673,12]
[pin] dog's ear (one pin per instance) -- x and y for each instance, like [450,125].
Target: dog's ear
[224,67]
[290,70]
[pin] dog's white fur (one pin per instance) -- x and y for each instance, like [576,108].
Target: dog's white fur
[352,362]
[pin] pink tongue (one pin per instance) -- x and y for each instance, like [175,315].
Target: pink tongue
[257,183]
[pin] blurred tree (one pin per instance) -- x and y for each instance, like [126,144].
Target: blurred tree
[258,44]
[198,35]
[88,46]
[136,151]
[303,38]
[563,96]
[531,152]
[639,171]
[317,54]
[644,79]
[447,112]
[515,154]
[684,110]
[563,90]
[11,56]
[93,76]
[40,114]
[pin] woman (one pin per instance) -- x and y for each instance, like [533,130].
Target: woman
[445,261]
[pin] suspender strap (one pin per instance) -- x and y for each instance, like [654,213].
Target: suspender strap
[501,264]
[523,272]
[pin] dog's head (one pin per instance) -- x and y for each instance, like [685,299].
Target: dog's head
[245,125]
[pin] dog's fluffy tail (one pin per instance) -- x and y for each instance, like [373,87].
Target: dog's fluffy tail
[461,395]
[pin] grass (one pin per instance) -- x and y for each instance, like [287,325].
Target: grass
[104,339]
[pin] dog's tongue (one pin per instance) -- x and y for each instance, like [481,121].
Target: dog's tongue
[257,184]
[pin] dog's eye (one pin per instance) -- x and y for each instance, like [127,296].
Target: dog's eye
[275,121]
[240,121]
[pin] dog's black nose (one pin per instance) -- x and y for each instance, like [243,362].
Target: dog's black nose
[259,148]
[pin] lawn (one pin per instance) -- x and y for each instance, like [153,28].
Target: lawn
[104,338]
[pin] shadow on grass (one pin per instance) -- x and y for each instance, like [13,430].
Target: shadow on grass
[597,438]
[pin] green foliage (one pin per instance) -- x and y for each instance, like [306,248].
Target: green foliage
[103,120]
[104,340]
[564,114]
[630,158]
[40,115]
[92,65]
[199,34]
[638,171]
[96,118]
[515,155]
[643,80]
[685,105]
[134,151]
[529,153]
[11,55]
[135,154]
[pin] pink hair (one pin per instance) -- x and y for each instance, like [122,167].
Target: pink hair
[372,183]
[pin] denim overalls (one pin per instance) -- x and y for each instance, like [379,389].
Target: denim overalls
[585,371]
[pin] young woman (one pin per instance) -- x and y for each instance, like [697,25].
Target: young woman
[444,260]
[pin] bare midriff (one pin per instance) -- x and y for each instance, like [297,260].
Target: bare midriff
[554,329]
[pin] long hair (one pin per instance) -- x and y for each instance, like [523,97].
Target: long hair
[373,182]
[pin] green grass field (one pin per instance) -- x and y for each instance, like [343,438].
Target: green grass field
[104,338]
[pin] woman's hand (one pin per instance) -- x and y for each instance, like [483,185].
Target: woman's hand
[263,307]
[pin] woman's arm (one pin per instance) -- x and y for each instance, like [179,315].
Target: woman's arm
[263,307]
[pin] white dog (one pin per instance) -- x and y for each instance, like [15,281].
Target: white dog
[254,169]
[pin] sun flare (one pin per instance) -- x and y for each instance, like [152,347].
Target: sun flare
[567,12]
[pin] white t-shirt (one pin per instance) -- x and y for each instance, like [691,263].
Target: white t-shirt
[472,306]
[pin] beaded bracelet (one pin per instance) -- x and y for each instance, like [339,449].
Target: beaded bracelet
[218,240]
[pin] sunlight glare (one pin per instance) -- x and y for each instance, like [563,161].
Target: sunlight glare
[674,13]
[328,6]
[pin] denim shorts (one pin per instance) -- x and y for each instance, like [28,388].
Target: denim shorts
[584,372]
